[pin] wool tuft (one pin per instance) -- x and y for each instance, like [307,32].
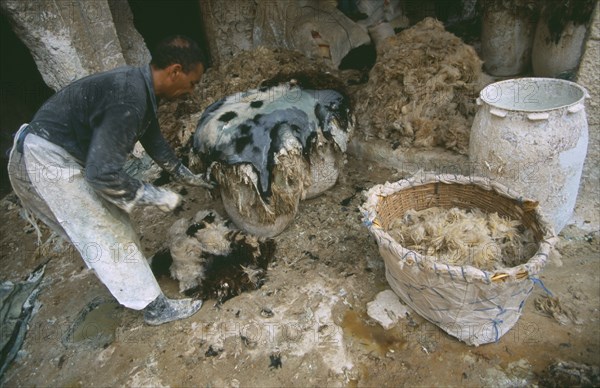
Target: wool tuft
[465,237]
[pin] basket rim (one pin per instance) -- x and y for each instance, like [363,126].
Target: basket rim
[468,273]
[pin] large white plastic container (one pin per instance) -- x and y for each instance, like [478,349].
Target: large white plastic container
[552,58]
[506,42]
[531,134]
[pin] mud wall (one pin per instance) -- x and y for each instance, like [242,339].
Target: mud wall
[589,72]
[314,27]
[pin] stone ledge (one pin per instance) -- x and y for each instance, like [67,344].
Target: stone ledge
[409,161]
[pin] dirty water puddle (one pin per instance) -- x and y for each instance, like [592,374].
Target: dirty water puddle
[96,324]
[373,338]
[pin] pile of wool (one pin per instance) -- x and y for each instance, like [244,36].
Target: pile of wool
[422,89]
[247,70]
[553,307]
[465,237]
[211,260]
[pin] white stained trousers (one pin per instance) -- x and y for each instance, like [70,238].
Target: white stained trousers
[50,182]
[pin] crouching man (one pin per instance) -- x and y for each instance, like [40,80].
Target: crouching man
[66,166]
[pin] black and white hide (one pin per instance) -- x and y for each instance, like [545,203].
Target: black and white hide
[268,148]
[213,261]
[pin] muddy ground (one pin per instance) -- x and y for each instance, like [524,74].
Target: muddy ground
[307,326]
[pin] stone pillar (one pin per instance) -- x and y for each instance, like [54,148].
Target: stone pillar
[68,39]
[228,27]
[132,43]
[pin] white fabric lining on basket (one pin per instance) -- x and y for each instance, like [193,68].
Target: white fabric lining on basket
[471,304]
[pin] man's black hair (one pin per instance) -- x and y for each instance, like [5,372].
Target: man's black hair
[178,49]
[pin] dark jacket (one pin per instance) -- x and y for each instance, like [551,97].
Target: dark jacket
[98,119]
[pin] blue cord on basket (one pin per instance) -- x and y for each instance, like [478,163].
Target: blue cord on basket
[366,221]
[496,322]
[541,284]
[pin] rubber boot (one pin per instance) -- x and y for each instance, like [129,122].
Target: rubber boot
[162,310]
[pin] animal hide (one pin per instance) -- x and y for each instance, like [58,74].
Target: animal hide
[213,261]
[254,126]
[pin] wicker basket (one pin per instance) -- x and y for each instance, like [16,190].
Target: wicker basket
[471,304]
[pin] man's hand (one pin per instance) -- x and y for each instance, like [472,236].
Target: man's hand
[184,176]
[166,200]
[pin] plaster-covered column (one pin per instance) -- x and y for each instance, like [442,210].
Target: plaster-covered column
[68,39]
[132,43]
